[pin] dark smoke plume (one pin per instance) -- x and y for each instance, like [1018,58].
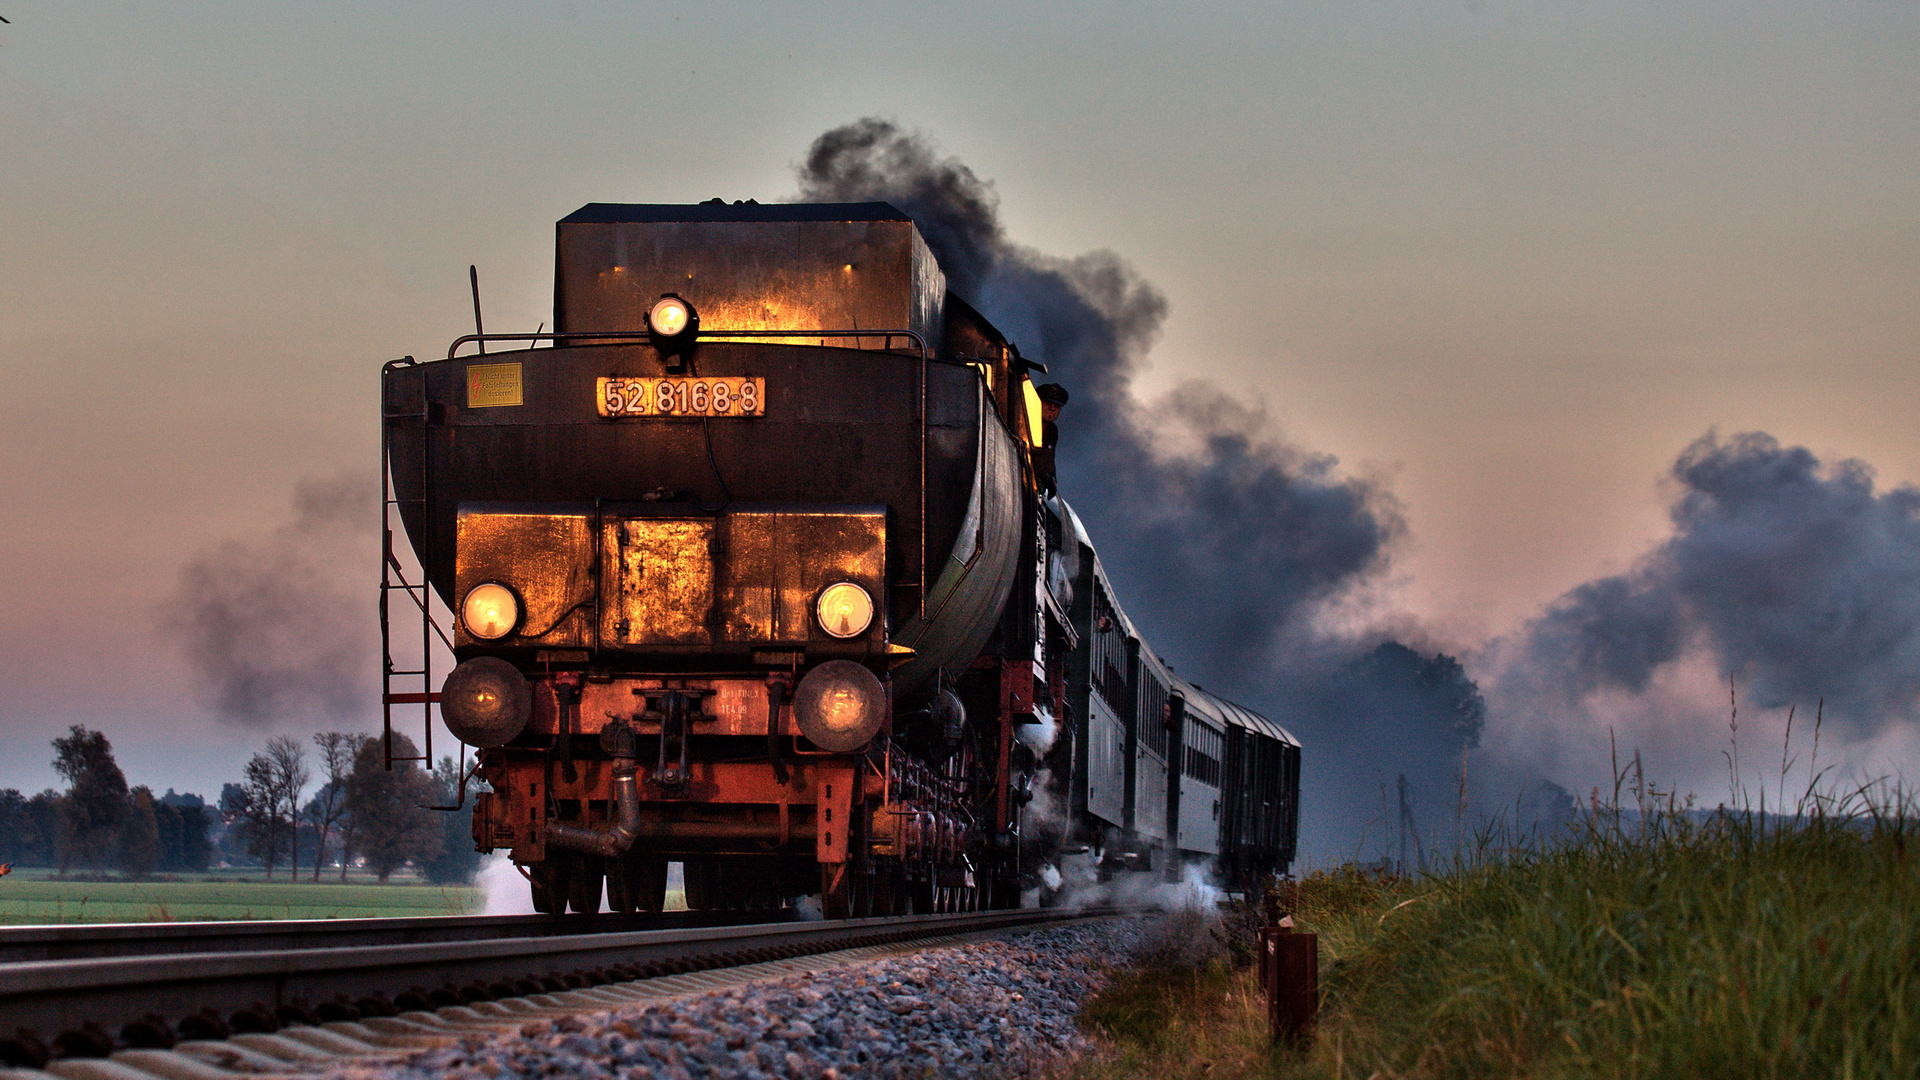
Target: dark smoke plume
[1227,545]
[1796,580]
[1223,550]
[1382,715]
[281,627]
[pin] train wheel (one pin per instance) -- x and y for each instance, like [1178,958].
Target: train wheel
[623,883]
[649,876]
[584,874]
[543,879]
[620,885]
[637,883]
[836,885]
[698,876]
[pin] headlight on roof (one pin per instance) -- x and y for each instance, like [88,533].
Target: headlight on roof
[845,610]
[490,611]
[671,316]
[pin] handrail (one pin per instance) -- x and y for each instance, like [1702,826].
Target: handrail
[919,340]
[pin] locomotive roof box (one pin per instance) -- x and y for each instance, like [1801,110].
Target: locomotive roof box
[748,266]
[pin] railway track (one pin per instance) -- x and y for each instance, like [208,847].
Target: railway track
[105,940]
[82,993]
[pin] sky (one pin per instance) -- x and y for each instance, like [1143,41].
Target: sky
[1504,262]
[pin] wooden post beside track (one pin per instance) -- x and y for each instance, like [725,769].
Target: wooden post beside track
[1290,977]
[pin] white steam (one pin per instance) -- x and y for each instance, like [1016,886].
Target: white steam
[1195,891]
[1038,737]
[505,891]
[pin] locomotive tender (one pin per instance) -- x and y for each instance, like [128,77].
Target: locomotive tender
[755,565]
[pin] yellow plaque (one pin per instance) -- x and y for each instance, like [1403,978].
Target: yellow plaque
[741,395]
[492,385]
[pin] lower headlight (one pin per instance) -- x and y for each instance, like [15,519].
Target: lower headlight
[486,702]
[490,611]
[840,706]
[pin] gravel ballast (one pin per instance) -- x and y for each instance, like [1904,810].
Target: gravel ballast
[995,1008]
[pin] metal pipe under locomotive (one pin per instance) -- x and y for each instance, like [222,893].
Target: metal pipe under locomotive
[756,566]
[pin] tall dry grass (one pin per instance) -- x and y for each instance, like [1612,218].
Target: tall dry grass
[1655,941]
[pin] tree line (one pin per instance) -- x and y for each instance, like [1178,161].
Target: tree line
[361,813]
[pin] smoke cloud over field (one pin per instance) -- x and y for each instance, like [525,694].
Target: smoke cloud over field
[281,626]
[1786,581]
[1230,546]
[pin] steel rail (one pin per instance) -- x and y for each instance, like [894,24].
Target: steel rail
[52,996]
[84,941]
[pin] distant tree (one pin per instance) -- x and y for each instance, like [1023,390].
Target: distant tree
[275,778]
[457,860]
[46,812]
[15,841]
[253,828]
[28,827]
[139,836]
[329,804]
[290,776]
[167,828]
[96,800]
[180,824]
[390,827]
[196,848]
[225,824]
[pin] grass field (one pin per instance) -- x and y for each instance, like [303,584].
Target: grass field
[1727,947]
[30,897]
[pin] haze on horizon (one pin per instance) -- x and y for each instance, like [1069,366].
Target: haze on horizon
[1504,261]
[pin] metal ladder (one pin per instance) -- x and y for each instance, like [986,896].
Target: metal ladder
[393,579]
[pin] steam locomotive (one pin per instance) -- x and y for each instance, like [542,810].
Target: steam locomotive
[755,564]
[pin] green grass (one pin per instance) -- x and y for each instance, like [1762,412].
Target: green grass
[28,896]
[1690,948]
[1173,1023]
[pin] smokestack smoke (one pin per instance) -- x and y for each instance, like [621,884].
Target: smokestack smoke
[1229,546]
[281,627]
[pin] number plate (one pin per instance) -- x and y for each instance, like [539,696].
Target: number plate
[743,396]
